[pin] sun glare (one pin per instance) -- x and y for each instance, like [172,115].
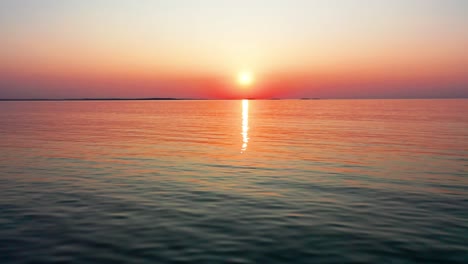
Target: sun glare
[245,78]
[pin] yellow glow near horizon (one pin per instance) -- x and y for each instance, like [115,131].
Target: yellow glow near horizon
[245,78]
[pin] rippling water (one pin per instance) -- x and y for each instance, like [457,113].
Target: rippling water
[317,181]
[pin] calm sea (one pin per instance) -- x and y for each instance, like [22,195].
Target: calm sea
[288,181]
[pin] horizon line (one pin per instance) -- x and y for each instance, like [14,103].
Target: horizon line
[213,99]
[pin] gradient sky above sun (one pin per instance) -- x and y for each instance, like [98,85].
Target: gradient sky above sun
[198,48]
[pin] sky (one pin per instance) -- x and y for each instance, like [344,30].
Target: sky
[197,48]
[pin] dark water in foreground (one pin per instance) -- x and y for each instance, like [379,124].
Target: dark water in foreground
[363,181]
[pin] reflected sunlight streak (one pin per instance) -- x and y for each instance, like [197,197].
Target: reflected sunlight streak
[245,124]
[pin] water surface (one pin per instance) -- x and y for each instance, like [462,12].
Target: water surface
[289,181]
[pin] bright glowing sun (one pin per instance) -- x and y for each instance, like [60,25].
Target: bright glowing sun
[245,78]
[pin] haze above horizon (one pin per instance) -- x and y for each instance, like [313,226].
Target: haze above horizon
[198,49]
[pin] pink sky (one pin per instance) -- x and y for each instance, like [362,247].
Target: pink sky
[195,49]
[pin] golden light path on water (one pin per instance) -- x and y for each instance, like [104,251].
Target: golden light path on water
[245,124]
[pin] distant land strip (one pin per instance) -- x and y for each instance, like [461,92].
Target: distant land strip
[98,99]
[208,99]
[143,99]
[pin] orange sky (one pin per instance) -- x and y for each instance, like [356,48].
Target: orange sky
[195,49]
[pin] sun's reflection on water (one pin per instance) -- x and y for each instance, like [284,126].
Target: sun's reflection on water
[245,124]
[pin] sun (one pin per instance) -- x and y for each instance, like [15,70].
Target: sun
[245,78]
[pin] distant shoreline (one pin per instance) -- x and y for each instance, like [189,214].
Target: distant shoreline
[205,99]
[102,99]
[148,99]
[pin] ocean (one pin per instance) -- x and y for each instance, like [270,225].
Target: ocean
[248,181]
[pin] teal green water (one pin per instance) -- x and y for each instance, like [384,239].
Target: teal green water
[288,181]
